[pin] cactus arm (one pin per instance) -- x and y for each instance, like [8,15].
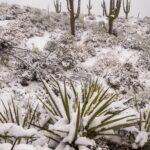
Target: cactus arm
[118,7]
[68,5]
[126,7]
[89,7]
[78,9]
[104,8]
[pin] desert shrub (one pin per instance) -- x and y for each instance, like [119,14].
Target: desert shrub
[142,138]
[15,124]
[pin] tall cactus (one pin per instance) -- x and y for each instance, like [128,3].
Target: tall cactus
[126,7]
[57,5]
[73,15]
[103,4]
[114,10]
[89,7]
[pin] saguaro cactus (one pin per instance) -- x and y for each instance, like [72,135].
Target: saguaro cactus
[73,15]
[89,7]
[114,10]
[126,7]
[57,5]
[103,7]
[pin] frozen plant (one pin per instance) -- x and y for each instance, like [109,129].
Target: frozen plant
[80,113]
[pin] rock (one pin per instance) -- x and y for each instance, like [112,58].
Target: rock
[24,82]
[113,83]
[51,46]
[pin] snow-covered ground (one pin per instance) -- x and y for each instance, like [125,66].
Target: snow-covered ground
[42,45]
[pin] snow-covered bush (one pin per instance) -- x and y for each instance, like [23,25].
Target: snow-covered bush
[15,123]
[81,113]
[143,134]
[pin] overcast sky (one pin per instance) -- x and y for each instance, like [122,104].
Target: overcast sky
[142,6]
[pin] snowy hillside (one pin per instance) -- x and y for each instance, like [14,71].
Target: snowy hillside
[36,45]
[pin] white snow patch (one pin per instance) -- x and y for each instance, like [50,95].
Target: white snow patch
[4,23]
[16,131]
[7,146]
[141,139]
[85,141]
[38,42]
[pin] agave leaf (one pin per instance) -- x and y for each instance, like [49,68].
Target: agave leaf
[101,109]
[67,102]
[3,118]
[86,101]
[11,114]
[6,110]
[116,127]
[74,90]
[57,112]
[25,119]
[99,100]
[89,107]
[49,131]
[15,110]
[147,124]
[48,108]
[33,116]
[109,122]
[63,101]
[77,123]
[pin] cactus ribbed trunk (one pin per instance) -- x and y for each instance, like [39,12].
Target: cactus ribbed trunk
[72,20]
[114,10]
[126,16]
[73,16]
[110,30]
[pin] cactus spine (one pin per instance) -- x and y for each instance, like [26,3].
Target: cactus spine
[126,7]
[73,15]
[89,7]
[57,5]
[114,10]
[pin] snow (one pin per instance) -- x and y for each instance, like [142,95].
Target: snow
[38,42]
[105,61]
[85,141]
[7,146]
[141,139]
[4,23]
[11,129]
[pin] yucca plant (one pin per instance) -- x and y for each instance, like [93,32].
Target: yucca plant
[143,136]
[12,115]
[80,113]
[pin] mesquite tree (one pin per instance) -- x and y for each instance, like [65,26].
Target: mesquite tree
[126,7]
[89,7]
[114,10]
[73,15]
[57,5]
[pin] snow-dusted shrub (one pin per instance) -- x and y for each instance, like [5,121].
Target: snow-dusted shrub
[80,113]
[143,134]
[15,123]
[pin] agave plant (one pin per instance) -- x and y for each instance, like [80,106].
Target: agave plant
[12,117]
[80,113]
